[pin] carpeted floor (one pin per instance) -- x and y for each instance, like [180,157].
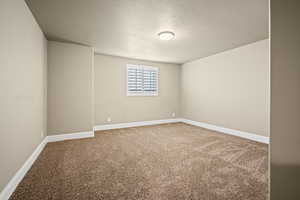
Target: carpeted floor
[171,161]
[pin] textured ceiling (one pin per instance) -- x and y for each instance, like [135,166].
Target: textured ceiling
[129,28]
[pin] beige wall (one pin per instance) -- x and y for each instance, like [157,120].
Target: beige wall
[285,99]
[112,101]
[23,67]
[229,89]
[70,72]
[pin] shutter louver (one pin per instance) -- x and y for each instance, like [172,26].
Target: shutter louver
[142,80]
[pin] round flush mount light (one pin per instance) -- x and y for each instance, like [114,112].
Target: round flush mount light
[166,35]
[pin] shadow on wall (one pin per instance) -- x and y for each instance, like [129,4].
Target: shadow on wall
[284,181]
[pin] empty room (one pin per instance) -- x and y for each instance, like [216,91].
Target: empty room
[149,100]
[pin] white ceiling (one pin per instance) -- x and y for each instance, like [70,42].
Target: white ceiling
[129,28]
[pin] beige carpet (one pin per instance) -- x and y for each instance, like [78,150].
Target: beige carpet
[171,161]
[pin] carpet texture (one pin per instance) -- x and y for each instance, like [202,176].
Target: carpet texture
[171,161]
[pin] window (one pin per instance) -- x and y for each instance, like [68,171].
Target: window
[142,80]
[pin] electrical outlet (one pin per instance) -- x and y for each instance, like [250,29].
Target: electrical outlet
[173,114]
[42,134]
[108,119]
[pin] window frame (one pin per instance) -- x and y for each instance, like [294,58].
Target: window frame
[143,93]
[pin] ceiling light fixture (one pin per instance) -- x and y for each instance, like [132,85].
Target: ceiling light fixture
[166,35]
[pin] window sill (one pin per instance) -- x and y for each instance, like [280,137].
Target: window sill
[141,95]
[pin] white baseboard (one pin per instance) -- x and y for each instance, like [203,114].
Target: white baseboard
[17,178]
[250,136]
[70,136]
[134,124]
[242,134]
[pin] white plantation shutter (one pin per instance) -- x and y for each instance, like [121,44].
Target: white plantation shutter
[134,79]
[142,80]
